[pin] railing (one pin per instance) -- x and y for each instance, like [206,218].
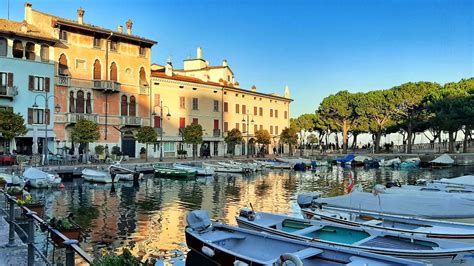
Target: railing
[106,85]
[74,117]
[8,92]
[67,81]
[217,132]
[131,120]
[71,245]
[63,81]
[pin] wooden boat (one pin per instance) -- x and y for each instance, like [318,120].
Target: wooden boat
[224,169]
[169,172]
[229,245]
[203,171]
[396,223]
[39,179]
[96,176]
[383,242]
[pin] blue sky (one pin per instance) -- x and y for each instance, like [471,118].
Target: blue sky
[316,47]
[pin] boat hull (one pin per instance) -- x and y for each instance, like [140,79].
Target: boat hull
[96,176]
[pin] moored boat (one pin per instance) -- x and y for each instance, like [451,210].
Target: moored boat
[96,176]
[383,242]
[466,181]
[225,169]
[169,172]
[229,245]
[391,162]
[203,171]
[40,179]
[443,161]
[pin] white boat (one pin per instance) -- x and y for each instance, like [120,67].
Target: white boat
[12,179]
[39,179]
[294,161]
[442,161]
[224,169]
[275,165]
[97,176]
[252,166]
[203,171]
[440,190]
[466,181]
[238,166]
[123,174]
[391,162]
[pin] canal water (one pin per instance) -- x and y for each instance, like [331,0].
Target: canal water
[150,219]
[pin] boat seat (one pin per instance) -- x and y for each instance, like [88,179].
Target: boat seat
[373,222]
[221,237]
[307,230]
[307,253]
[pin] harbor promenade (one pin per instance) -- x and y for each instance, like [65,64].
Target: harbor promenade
[16,255]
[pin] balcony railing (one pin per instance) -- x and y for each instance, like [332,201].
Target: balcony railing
[216,132]
[73,117]
[63,80]
[8,92]
[131,120]
[107,85]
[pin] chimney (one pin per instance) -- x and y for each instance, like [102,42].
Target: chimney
[287,92]
[199,53]
[80,15]
[120,29]
[254,88]
[28,9]
[224,63]
[129,25]
[169,68]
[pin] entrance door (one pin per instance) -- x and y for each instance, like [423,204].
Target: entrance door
[128,146]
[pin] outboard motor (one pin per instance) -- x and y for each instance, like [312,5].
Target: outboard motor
[305,200]
[247,213]
[199,221]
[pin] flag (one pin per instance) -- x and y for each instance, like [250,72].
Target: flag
[351,183]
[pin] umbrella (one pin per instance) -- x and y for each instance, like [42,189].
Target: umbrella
[13,145]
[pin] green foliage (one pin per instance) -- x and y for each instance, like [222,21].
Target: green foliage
[116,150]
[233,138]
[263,137]
[289,136]
[14,191]
[85,131]
[146,135]
[193,134]
[99,149]
[112,259]
[63,223]
[11,124]
[312,139]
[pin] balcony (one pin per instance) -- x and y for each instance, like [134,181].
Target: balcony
[8,92]
[216,132]
[106,85]
[131,121]
[74,117]
[103,85]
[63,81]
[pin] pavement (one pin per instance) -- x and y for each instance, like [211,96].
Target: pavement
[16,255]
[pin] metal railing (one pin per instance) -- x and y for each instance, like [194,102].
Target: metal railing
[62,80]
[109,85]
[8,92]
[106,85]
[132,120]
[74,117]
[71,245]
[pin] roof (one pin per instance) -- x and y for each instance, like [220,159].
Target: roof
[30,31]
[204,68]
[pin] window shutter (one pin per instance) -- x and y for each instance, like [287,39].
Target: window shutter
[157,122]
[47,116]
[46,84]
[31,83]
[30,116]
[10,80]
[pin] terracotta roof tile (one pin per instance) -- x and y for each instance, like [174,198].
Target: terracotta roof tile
[14,27]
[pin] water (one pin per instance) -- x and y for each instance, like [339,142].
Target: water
[150,219]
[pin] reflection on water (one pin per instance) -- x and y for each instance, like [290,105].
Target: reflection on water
[149,218]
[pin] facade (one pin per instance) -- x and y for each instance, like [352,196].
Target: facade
[26,78]
[211,97]
[101,75]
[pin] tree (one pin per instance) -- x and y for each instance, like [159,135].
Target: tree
[303,124]
[262,137]
[146,135]
[312,139]
[85,132]
[193,135]
[11,124]
[233,138]
[290,137]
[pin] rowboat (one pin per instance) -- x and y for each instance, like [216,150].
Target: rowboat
[275,164]
[40,179]
[169,172]
[225,169]
[293,161]
[383,242]
[245,167]
[203,171]
[359,160]
[229,245]
[409,163]
[123,174]
[114,172]
[466,181]
[96,176]
[395,223]
[391,162]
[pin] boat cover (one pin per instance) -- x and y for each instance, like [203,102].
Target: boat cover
[198,220]
[346,159]
[467,180]
[361,158]
[443,159]
[33,173]
[306,199]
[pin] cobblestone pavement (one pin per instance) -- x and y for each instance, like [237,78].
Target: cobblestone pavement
[17,255]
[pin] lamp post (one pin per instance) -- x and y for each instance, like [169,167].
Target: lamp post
[57,108]
[161,125]
[248,121]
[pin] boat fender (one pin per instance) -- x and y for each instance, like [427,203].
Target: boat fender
[240,263]
[208,251]
[288,257]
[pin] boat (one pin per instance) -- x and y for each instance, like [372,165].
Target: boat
[293,161]
[123,174]
[39,179]
[396,223]
[443,161]
[12,179]
[96,176]
[230,245]
[440,190]
[346,159]
[245,168]
[391,162]
[225,169]
[374,240]
[359,160]
[409,163]
[169,172]
[466,181]
[202,171]
[275,164]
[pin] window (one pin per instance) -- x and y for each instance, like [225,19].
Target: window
[182,122]
[285,114]
[216,106]
[113,46]
[132,109]
[96,42]
[113,71]
[97,70]
[157,121]
[142,51]
[226,126]
[44,53]
[63,69]
[30,51]
[255,110]
[17,49]
[276,130]
[80,102]
[276,113]
[88,104]
[255,128]
[271,130]
[226,107]
[3,46]
[216,123]
[169,147]
[182,102]
[244,109]
[244,128]
[124,106]
[237,108]
[6,80]
[271,112]
[143,81]
[38,116]
[195,121]
[63,35]
[195,104]
[71,102]
[38,83]
[260,111]
[237,126]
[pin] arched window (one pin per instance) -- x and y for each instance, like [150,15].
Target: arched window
[132,107]
[143,81]
[30,51]
[113,71]
[44,53]
[80,102]
[3,46]
[62,66]
[97,70]
[17,49]
[124,106]
[88,103]
[71,102]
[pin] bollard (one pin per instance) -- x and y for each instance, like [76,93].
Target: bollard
[11,220]
[31,238]
[70,260]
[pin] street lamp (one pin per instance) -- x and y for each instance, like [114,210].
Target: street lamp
[57,108]
[248,130]
[161,125]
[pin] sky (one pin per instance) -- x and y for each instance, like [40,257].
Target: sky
[316,47]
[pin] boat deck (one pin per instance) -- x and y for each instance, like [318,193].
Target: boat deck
[392,243]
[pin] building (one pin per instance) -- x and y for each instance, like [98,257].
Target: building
[210,96]
[26,80]
[101,75]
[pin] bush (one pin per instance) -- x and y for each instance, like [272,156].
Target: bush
[142,150]
[99,149]
[116,151]
[112,259]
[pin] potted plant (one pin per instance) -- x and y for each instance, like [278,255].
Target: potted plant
[99,151]
[182,154]
[15,191]
[115,152]
[3,182]
[142,153]
[110,258]
[32,204]
[67,227]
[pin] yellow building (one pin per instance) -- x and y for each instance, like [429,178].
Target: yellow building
[101,75]
[210,96]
